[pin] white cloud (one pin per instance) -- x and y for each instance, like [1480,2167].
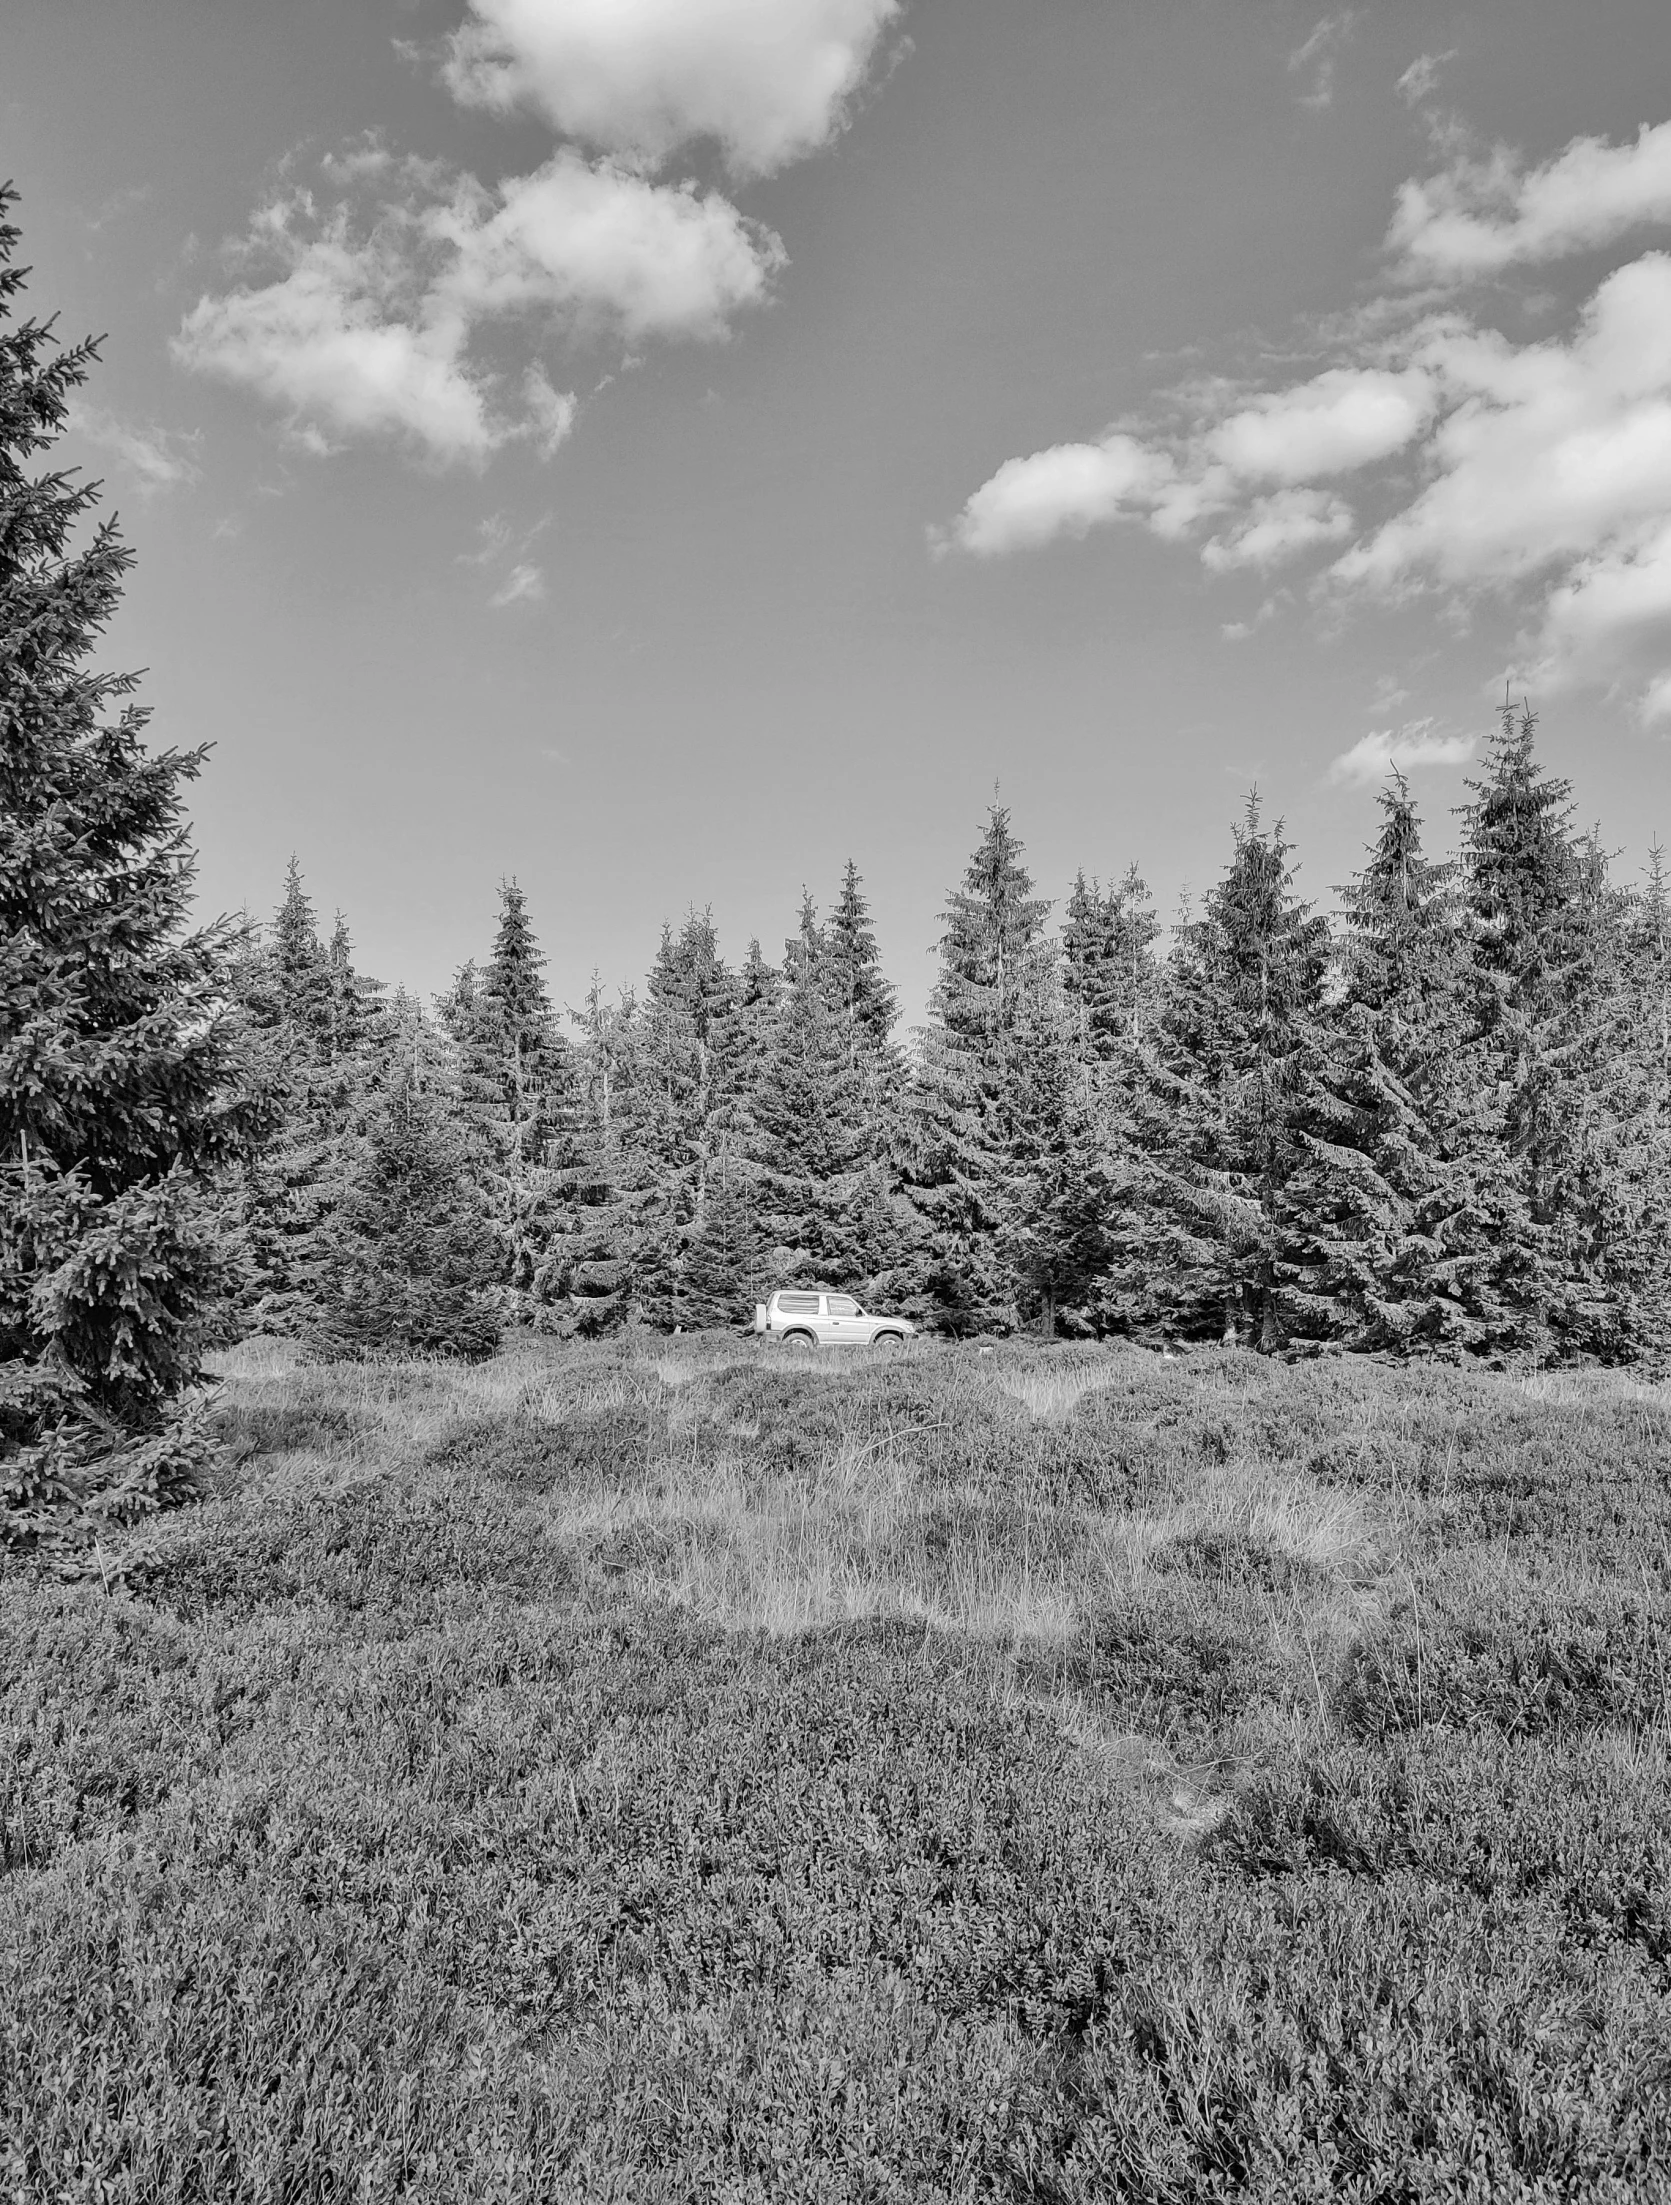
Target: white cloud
[769,80]
[344,339]
[1061,492]
[1400,750]
[606,249]
[1479,216]
[1319,56]
[1547,452]
[370,311]
[1341,420]
[1536,473]
[524,585]
[493,537]
[1421,79]
[157,459]
[1610,620]
[551,411]
[1277,528]
[369,326]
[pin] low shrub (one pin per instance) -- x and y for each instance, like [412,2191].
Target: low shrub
[388,1832]
[1174,1665]
[1573,1823]
[1533,1657]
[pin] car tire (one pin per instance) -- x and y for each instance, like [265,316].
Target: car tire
[889,1342]
[799,1343]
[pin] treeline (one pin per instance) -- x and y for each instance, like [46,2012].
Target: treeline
[1441,1126]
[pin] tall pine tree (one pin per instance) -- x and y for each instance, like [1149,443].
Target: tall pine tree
[809,1131]
[1236,1045]
[994,960]
[120,1082]
[412,1268]
[517,1086]
[1400,1220]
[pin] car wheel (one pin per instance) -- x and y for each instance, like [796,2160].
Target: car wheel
[891,1342]
[799,1343]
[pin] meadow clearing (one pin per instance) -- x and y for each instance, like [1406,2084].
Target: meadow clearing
[654,1771]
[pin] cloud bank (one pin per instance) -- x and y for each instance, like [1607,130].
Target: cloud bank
[1433,453]
[369,303]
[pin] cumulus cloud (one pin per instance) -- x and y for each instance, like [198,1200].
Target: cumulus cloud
[1341,420]
[371,306]
[345,338]
[1478,216]
[1536,473]
[156,459]
[1400,750]
[1547,452]
[1338,422]
[1061,492]
[369,320]
[603,247]
[769,80]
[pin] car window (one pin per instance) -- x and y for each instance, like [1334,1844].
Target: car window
[843,1305]
[798,1305]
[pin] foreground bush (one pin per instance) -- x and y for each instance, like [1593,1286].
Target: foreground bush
[596,1777]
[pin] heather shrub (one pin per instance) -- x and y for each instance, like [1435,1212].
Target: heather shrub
[1575,1823]
[1534,1656]
[610,1774]
[1182,1668]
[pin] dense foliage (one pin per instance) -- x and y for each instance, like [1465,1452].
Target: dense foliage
[124,1095]
[1060,1775]
[1442,1127]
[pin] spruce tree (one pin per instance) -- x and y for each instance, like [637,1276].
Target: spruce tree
[600,1185]
[412,1268]
[1052,1235]
[301,968]
[1612,1223]
[866,1000]
[356,1001]
[1109,973]
[120,1080]
[517,1085]
[724,1273]
[317,1024]
[1546,960]
[993,961]
[682,1102]
[808,1132]
[1400,1220]
[1236,1044]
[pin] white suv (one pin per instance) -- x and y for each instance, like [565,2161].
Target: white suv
[809,1317]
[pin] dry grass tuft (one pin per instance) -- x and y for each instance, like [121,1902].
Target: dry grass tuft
[1053,1394]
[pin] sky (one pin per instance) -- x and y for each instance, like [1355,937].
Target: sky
[658,450]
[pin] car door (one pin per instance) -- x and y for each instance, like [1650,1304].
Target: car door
[846,1326]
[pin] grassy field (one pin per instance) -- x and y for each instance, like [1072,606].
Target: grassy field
[610,1774]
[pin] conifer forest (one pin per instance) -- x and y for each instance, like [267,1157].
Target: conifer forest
[478,1723]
